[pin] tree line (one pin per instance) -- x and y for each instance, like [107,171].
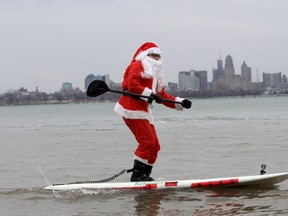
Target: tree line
[78,96]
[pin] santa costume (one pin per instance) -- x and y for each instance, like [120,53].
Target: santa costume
[144,76]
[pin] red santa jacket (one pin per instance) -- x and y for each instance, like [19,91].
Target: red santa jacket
[137,80]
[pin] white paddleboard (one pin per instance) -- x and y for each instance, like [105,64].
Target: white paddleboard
[256,180]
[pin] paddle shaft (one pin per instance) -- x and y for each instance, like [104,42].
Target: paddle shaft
[143,96]
[99,87]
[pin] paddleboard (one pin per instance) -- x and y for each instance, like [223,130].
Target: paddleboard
[255,181]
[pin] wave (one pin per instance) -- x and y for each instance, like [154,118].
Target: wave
[39,193]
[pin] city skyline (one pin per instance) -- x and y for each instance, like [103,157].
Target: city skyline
[44,43]
[90,77]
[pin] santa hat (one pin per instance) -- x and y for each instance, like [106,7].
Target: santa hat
[144,50]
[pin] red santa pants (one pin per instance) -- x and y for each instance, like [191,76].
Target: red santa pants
[148,143]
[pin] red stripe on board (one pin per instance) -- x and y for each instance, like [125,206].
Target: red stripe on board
[144,187]
[215,183]
[171,184]
[151,186]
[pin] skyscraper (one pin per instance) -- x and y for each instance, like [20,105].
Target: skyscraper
[202,75]
[220,70]
[246,76]
[228,80]
[246,73]
[277,78]
[267,80]
[229,71]
[92,77]
[188,80]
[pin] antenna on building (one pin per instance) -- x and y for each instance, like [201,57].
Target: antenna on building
[219,53]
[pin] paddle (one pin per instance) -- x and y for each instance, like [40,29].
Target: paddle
[99,87]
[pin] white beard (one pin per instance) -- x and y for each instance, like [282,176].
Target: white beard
[154,68]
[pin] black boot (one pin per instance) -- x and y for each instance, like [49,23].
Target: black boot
[140,172]
[147,171]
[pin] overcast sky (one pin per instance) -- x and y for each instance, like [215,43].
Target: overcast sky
[47,42]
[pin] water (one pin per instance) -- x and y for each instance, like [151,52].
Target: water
[75,142]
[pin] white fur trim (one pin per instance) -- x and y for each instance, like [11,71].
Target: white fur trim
[146,92]
[142,160]
[134,114]
[146,75]
[143,54]
[178,106]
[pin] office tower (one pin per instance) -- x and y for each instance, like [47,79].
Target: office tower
[92,77]
[267,80]
[276,78]
[202,75]
[246,73]
[188,81]
[217,73]
[229,71]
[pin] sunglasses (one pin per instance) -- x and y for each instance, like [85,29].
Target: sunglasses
[155,56]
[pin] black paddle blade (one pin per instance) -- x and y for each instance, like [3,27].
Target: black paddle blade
[96,88]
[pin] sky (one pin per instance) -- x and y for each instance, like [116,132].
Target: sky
[44,43]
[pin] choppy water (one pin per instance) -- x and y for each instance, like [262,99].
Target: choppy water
[74,142]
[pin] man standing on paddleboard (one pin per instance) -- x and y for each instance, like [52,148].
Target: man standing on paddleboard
[144,76]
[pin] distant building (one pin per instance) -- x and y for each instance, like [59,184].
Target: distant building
[67,86]
[229,71]
[22,89]
[220,70]
[188,81]
[91,77]
[267,80]
[284,78]
[202,75]
[271,79]
[276,78]
[228,80]
[246,73]
[172,87]
[246,76]
[116,86]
